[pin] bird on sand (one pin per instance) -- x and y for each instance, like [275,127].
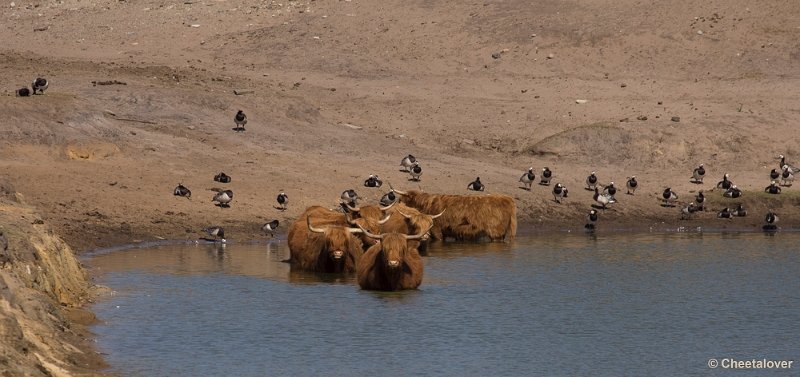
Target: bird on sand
[283,200]
[698,174]
[39,85]
[183,191]
[546,176]
[632,184]
[270,227]
[217,232]
[476,185]
[240,119]
[527,179]
[223,198]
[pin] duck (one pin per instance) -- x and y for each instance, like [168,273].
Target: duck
[669,197]
[388,198]
[787,176]
[416,171]
[283,200]
[632,184]
[700,199]
[222,178]
[223,198]
[183,191]
[610,190]
[740,211]
[350,197]
[270,227]
[527,179]
[698,174]
[725,183]
[773,188]
[407,162]
[591,181]
[476,185]
[774,174]
[784,164]
[732,192]
[688,211]
[217,232]
[546,176]
[603,199]
[770,219]
[559,191]
[373,181]
[240,119]
[23,92]
[39,85]
[725,213]
[591,219]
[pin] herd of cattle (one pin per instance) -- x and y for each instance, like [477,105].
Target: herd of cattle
[382,243]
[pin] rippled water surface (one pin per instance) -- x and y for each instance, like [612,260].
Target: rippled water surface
[638,305]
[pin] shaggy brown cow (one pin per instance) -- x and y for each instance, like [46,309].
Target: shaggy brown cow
[330,248]
[368,217]
[321,216]
[468,217]
[392,264]
[406,220]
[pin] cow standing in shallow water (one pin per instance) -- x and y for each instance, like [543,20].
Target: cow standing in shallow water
[406,220]
[392,264]
[329,248]
[467,217]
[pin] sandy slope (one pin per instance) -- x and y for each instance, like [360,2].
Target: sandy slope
[343,89]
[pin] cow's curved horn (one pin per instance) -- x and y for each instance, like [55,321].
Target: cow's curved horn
[313,228]
[368,234]
[418,236]
[354,230]
[385,219]
[440,213]
[349,219]
[400,192]
[390,205]
[404,215]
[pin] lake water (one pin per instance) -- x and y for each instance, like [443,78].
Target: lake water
[554,305]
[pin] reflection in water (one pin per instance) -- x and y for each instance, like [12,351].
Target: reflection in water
[566,304]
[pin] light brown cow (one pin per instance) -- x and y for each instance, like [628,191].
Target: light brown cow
[467,217]
[392,264]
[328,248]
[407,220]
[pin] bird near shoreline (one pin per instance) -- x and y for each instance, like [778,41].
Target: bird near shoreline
[283,201]
[217,232]
[240,119]
[270,227]
[698,174]
[559,192]
[223,198]
[527,179]
[631,185]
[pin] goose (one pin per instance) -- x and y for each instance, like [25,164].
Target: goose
[740,211]
[217,232]
[698,174]
[591,181]
[388,198]
[350,197]
[774,174]
[610,190]
[39,85]
[283,200]
[475,185]
[700,199]
[23,92]
[787,176]
[688,211]
[373,181]
[527,179]
[784,164]
[546,176]
[407,162]
[416,171]
[559,191]
[591,219]
[770,219]
[183,191]
[603,199]
[773,188]
[222,178]
[732,192]
[725,213]
[240,119]
[725,182]
[632,184]
[270,227]
[669,197]
[223,198]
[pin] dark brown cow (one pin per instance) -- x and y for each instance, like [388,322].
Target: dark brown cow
[329,248]
[407,220]
[392,264]
[467,217]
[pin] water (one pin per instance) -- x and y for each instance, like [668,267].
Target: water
[558,305]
